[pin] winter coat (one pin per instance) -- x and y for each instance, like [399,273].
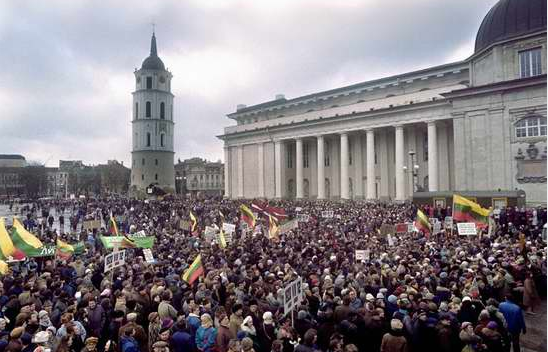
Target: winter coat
[182,342]
[234,325]
[493,340]
[393,342]
[96,320]
[224,335]
[514,317]
[205,338]
[129,344]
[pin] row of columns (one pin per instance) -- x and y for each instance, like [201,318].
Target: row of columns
[344,157]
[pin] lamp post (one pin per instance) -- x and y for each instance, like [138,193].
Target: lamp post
[178,183]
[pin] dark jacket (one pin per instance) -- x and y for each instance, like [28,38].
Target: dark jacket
[182,341]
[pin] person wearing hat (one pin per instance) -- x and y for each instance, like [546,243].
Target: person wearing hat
[138,332]
[267,333]
[224,335]
[394,340]
[206,334]
[160,346]
[96,317]
[90,344]
[492,338]
[471,341]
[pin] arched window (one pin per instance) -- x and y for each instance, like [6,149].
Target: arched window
[148,139]
[533,126]
[149,109]
[162,139]
[162,110]
[136,110]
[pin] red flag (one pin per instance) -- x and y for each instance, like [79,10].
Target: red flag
[277,213]
[259,206]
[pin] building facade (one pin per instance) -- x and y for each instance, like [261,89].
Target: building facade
[198,176]
[152,126]
[12,160]
[473,125]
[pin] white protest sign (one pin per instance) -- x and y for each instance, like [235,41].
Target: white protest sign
[114,260]
[410,227]
[288,226]
[327,214]
[436,228]
[467,228]
[303,217]
[390,240]
[362,254]
[149,258]
[293,295]
[209,233]
[228,228]
[140,234]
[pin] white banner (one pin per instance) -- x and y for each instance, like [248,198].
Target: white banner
[467,228]
[229,228]
[288,226]
[114,260]
[327,214]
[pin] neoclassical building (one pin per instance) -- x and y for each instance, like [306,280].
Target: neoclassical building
[473,125]
[152,126]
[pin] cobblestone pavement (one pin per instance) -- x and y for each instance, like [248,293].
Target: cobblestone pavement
[535,339]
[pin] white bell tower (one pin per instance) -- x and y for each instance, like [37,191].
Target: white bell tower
[152,126]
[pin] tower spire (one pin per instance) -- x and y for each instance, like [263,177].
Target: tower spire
[153,49]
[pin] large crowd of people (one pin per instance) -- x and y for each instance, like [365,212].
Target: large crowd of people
[415,291]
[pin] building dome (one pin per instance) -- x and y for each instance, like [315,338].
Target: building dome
[509,19]
[153,62]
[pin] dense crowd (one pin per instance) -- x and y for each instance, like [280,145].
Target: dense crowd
[416,292]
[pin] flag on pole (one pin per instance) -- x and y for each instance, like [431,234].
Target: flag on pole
[23,240]
[247,216]
[277,213]
[465,210]
[194,222]
[422,223]
[194,271]
[65,250]
[113,228]
[273,228]
[7,249]
[222,216]
[259,206]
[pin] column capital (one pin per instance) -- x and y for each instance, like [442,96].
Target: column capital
[431,123]
[344,133]
[398,127]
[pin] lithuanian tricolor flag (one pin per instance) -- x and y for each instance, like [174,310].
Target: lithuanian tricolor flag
[7,249]
[194,222]
[25,241]
[465,210]
[194,271]
[128,242]
[422,223]
[247,216]
[113,228]
[65,250]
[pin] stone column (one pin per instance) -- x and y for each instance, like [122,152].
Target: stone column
[227,172]
[358,171]
[260,165]
[278,168]
[344,165]
[299,167]
[432,157]
[321,171]
[400,159]
[371,164]
[240,171]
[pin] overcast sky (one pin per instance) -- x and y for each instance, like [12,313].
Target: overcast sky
[67,66]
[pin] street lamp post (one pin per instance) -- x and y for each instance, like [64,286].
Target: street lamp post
[178,184]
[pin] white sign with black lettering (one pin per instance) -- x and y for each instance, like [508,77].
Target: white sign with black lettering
[293,294]
[303,217]
[229,228]
[467,228]
[114,260]
[362,254]
[140,234]
[327,214]
[149,258]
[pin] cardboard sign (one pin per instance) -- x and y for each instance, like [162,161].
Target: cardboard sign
[92,224]
[229,228]
[401,228]
[303,217]
[140,234]
[149,258]
[327,214]
[467,228]
[388,229]
[114,260]
[185,225]
[362,254]
[288,226]
[293,295]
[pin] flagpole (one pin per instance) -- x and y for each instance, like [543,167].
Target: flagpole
[452,215]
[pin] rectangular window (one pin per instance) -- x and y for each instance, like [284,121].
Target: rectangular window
[521,128]
[530,63]
[305,155]
[149,82]
[290,156]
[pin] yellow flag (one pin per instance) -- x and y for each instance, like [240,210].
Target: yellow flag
[3,267]
[222,239]
[194,222]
